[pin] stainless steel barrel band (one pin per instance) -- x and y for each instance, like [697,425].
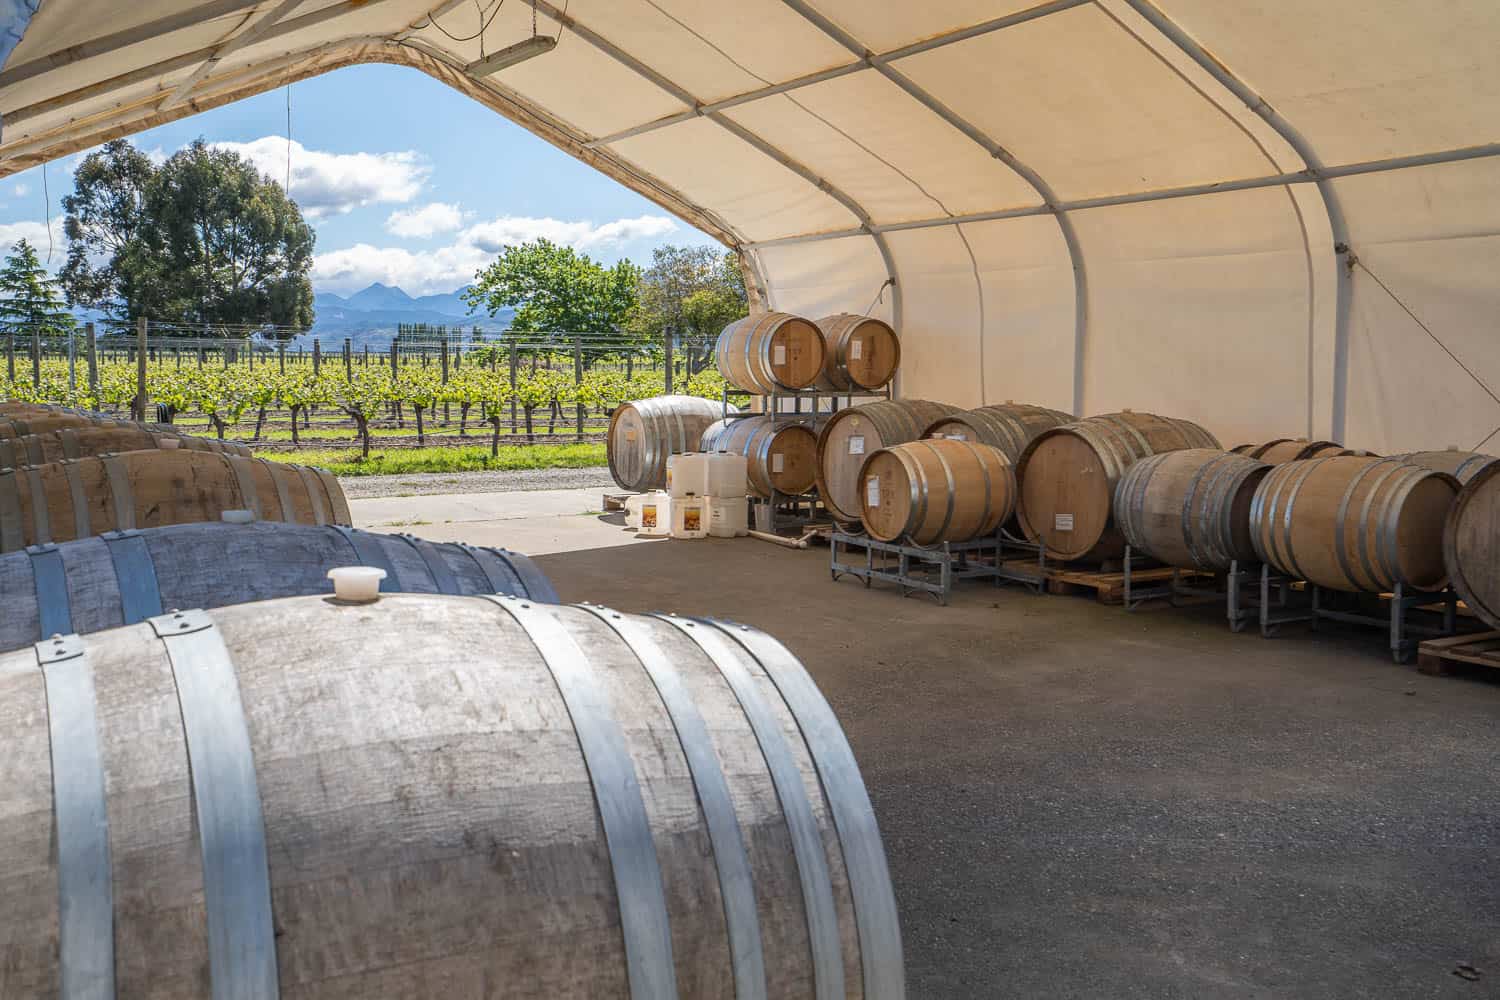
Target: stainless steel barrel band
[1291,501]
[231,825]
[1375,491]
[85,878]
[875,914]
[41,523]
[617,794]
[536,585]
[8,453]
[952,487]
[732,862]
[69,438]
[314,494]
[122,499]
[11,535]
[1389,520]
[340,503]
[135,575]
[34,449]
[50,579]
[796,807]
[369,552]
[278,474]
[244,474]
[497,585]
[443,579]
[83,522]
[22,426]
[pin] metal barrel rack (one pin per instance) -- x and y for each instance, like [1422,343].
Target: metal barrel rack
[913,568]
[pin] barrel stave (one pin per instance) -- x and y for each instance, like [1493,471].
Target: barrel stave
[1190,507]
[1471,544]
[931,491]
[850,436]
[859,352]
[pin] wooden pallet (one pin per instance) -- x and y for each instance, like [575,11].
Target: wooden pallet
[1440,656]
[1109,587]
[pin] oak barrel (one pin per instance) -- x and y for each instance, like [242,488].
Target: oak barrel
[1007,426]
[85,442]
[1068,477]
[859,352]
[770,351]
[1279,450]
[434,796]
[1461,465]
[97,583]
[852,435]
[1191,507]
[61,501]
[780,454]
[935,490]
[643,433]
[1471,544]
[1355,523]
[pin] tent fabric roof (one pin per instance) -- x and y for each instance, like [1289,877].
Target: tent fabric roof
[1277,219]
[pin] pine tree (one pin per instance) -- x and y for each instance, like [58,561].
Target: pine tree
[29,297]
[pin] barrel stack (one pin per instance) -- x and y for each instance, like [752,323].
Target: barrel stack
[851,436]
[781,455]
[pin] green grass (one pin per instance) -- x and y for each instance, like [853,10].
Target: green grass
[346,462]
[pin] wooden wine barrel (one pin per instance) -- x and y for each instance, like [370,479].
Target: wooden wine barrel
[859,352]
[1354,523]
[781,455]
[934,490]
[1279,450]
[434,796]
[1461,465]
[1190,508]
[97,583]
[644,432]
[1068,476]
[1471,544]
[852,435]
[86,442]
[1007,426]
[21,424]
[770,351]
[61,501]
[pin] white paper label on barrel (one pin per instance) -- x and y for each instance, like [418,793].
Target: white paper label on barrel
[778,462]
[957,437]
[630,435]
[1062,522]
[854,349]
[872,491]
[778,354]
[857,444]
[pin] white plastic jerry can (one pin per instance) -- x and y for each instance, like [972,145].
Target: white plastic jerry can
[689,517]
[727,475]
[728,517]
[656,514]
[633,505]
[687,474]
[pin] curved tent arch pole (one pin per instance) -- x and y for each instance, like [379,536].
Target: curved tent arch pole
[1044,190]
[1337,224]
[867,224]
[15,16]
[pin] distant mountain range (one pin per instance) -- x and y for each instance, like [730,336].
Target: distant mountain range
[371,315]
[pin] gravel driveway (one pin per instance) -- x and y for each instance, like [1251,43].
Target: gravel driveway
[426,483]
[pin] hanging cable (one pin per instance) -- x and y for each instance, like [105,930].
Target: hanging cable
[483,27]
[288,186]
[533,18]
[560,21]
[47,212]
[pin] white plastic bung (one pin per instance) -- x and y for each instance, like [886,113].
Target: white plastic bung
[236,516]
[169,443]
[727,475]
[356,584]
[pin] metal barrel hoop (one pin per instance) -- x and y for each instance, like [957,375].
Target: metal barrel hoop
[531,580]
[122,498]
[278,474]
[443,579]
[1377,493]
[49,578]
[370,551]
[83,522]
[644,922]
[12,536]
[135,575]
[1291,502]
[41,521]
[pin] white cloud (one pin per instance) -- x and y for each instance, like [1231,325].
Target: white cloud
[335,183]
[445,268]
[34,233]
[425,222]
[156,155]
[21,190]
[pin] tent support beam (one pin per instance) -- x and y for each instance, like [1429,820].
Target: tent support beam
[247,32]
[999,152]
[865,61]
[867,225]
[1167,194]
[1337,223]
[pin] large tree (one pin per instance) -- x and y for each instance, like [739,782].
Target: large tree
[555,289]
[29,299]
[692,292]
[203,240]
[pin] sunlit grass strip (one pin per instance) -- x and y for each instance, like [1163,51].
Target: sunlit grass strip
[346,462]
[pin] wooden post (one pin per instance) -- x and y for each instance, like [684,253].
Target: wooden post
[142,399]
[92,347]
[348,360]
[317,357]
[666,340]
[578,381]
[72,365]
[513,388]
[281,356]
[395,355]
[447,416]
[367,355]
[36,358]
[10,356]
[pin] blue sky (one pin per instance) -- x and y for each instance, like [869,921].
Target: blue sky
[406,182]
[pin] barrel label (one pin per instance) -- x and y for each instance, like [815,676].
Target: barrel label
[854,349]
[778,355]
[872,491]
[778,462]
[857,444]
[648,516]
[1062,522]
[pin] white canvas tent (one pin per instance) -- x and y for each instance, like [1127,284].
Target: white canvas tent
[1276,218]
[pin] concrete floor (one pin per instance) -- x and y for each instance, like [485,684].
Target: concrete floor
[1082,802]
